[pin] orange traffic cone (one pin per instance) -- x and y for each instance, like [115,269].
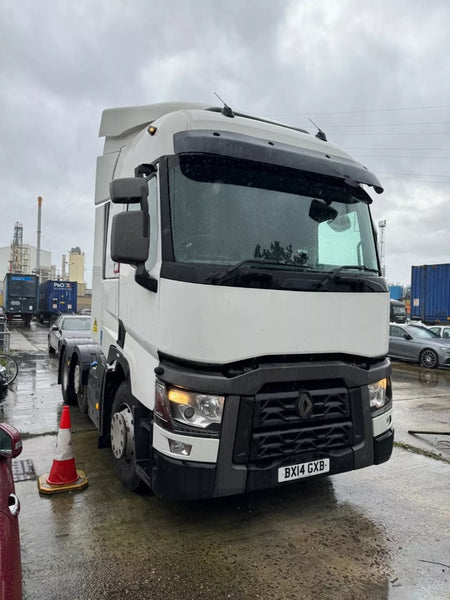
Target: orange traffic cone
[63,475]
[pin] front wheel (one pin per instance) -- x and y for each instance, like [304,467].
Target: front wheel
[122,438]
[428,358]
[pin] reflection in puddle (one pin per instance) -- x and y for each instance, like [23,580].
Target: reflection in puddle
[428,378]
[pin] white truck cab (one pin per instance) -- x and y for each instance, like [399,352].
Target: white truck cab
[235,264]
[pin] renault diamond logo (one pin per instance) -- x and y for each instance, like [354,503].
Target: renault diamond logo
[305,405]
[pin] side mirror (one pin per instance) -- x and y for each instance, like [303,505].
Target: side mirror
[10,441]
[129,244]
[128,190]
[130,231]
[407,336]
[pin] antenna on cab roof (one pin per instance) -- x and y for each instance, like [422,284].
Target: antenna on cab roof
[226,110]
[320,134]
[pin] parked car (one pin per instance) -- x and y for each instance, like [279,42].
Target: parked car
[442,331]
[10,564]
[418,344]
[67,326]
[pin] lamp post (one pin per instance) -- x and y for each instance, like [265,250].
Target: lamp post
[382,226]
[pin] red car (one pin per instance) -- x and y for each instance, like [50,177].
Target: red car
[10,565]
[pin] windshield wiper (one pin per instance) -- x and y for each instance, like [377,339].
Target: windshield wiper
[224,276]
[332,274]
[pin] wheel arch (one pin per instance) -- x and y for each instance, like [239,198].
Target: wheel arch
[117,371]
[67,348]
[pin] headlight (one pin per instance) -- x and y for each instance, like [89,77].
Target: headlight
[189,408]
[445,349]
[379,393]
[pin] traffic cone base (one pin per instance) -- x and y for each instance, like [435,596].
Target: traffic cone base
[63,475]
[48,488]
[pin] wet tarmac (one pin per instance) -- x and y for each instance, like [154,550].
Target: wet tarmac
[378,533]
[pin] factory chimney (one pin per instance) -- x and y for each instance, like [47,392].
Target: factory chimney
[38,253]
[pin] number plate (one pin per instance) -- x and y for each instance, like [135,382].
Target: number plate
[307,469]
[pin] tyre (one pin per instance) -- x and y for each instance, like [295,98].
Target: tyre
[428,359]
[122,438]
[67,387]
[80,390]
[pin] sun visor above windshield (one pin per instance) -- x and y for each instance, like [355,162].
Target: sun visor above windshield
[245,147]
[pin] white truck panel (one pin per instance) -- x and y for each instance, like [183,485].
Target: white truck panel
[203,449]
[224,324]
[382,423]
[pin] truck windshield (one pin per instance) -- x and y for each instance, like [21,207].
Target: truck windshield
[21,285]
[225,211]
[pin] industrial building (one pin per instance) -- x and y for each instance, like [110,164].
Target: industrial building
[23,258]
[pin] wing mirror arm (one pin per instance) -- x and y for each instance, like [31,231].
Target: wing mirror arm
[143,278]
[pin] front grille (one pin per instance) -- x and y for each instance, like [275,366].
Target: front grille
[276,410]
[280,444]
[271,428]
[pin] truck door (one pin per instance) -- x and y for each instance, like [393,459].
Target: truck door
[138,306]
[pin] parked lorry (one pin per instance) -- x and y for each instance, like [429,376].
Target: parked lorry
[20,296]
[221,241]
[56,297]
[398,312]
[430,293]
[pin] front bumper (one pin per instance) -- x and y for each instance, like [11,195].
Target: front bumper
[184,480]
[263,430]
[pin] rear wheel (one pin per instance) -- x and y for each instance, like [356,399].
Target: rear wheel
[67,387]
[428,358]
[80,390]
[122,438]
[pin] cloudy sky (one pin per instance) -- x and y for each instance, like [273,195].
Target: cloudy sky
[374,75]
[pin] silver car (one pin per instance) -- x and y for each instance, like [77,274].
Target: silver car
[418,344]
[73,326]
[442,331]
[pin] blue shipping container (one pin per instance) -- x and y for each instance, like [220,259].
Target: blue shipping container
[57,297]
[396,292]
[430,293]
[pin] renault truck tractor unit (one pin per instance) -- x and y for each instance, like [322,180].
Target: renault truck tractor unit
[235,264]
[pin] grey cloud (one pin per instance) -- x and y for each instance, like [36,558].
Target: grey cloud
[63,63]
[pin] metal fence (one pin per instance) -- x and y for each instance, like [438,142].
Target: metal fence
[4,336]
